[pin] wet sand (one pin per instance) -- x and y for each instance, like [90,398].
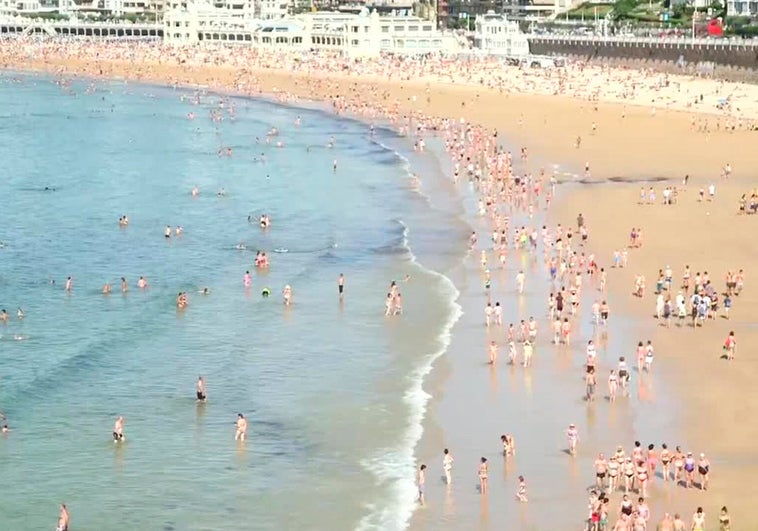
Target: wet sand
[711,399]
[716,398]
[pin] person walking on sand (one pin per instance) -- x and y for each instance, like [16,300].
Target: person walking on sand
[447,466]
[528,352]
[492,352]
[729,345]
[703,468]
[421,482]
[241,427]
[613,385]
[572,434]
[63,518]
[482,473]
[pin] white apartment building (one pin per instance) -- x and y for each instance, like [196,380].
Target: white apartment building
[356,35]
[496,35]
[738,8]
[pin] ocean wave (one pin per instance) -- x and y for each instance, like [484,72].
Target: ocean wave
[396,465]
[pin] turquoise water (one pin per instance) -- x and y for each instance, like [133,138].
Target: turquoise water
[331,391]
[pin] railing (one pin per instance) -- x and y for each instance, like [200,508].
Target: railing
[680,41]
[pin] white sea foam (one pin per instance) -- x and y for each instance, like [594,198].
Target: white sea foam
[396,465]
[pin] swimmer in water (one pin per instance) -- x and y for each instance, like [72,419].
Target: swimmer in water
[341,285]
[204,291]
[221,193]
[202,395]
[195,191]
[265,293]
[63,518]
[241,428]
[106,289]
[3,316]
[118,430]
[240,247]
[167,232]
[20,314]
[142,283]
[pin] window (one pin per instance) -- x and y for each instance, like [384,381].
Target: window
[400,28]
[412,28]
[426,28]
[385,29]
[354,42]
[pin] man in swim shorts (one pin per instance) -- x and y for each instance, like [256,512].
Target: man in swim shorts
[118,430]
[201,394]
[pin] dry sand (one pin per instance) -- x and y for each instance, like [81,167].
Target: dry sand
[715,398]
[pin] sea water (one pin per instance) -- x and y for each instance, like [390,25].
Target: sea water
[332,390]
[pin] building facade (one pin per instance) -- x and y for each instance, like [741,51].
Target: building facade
[742,8]
[356,35]
[496,35]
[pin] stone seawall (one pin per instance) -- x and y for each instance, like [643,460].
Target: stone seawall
[718,59]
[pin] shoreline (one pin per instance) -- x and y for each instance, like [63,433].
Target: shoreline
[673,172]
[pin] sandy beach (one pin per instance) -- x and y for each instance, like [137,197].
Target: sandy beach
[648,135]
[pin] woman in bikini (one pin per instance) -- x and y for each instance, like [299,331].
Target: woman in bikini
[628,470]
[613,474]
[613,385]
[483,476]
[725,523]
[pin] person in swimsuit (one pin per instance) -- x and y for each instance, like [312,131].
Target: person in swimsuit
[201,394]
[629,473]
[572,434]
[626,506]
[613,385]
[689,470]
[613,473]
[725,523]
[678,465]
[63,518]
[703,468]
[652,460]
[241,427]
[421,483]
[521,493]
[118,430]
[642,479]
[601,468]
[483,476]
[341,285]
[665,460]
